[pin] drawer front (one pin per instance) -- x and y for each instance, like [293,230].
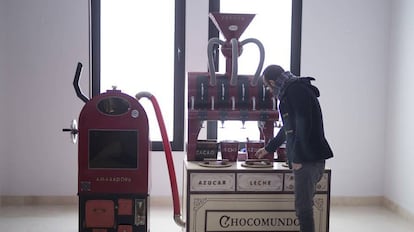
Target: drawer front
[260,182]
[100,213]
[212,182]
[321,186]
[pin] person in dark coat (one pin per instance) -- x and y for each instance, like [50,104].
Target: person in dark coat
[302,130]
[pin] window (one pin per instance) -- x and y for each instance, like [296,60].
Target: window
[277,25]
[135,49]
[139,35]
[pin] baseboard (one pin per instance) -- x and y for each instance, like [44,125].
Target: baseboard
[398,209]
[373,200]
[66,200]
[167,201]
[38,200]
[356,201]
[162,201]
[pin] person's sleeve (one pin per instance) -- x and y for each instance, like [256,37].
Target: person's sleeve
[278,140]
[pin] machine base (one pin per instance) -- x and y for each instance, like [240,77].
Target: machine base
[239,198]
[113,213]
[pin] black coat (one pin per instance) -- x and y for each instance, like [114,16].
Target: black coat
[302,123]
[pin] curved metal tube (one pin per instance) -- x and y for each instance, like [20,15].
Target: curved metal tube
[145,94]
[211,67]
[168,156]
[178,220]
[234,62]
[76,83]
[261,61]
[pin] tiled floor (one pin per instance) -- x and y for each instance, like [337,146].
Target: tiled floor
[65,219]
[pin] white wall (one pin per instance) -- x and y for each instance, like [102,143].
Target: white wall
[400,113]
[344,45]
[46,39]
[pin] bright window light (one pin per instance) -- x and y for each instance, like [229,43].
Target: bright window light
[272,27]
[137,53]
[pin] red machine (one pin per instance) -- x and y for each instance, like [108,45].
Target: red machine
[229,96]
[113,163]
[114,146]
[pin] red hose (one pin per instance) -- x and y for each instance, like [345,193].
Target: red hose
[168,155]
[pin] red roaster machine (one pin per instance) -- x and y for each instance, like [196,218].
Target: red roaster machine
[113,162]
[229,96]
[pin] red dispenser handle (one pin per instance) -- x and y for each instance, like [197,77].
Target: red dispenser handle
[168,155]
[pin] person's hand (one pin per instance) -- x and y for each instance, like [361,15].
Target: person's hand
[260,153]
[296,166]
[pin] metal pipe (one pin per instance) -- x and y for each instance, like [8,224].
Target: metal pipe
[243,91]
[254,103]
[234,62]
[210,57]
[223,89]
[261,58]
[202,91]
[192,102]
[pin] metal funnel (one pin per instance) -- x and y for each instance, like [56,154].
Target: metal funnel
[231,25]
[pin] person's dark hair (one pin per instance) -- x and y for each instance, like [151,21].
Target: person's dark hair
[271,72]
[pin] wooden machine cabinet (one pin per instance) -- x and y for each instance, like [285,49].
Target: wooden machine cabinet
[236,198]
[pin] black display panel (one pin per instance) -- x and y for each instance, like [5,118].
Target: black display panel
[113,149]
